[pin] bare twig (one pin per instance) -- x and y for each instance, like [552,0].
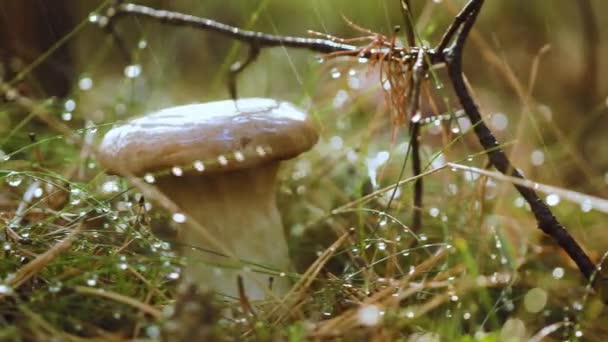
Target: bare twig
[544,217]
[413,110]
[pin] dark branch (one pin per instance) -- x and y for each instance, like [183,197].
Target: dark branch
[544,217]
[418,73]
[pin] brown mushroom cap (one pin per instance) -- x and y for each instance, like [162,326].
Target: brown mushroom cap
[222,135]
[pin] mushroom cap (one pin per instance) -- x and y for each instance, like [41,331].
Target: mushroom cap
[219,136]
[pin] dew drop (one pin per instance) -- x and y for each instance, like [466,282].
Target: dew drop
[153,331]
[132,71]
[14,179]
[537,157]
[336,142]
[177,171]
[222,160]
[586,206]
[85,83]
[199,166]
[179,217]
[149,178]
[5,289]
[142,44]
[340,98]
[369,315]
[434,212]
[260,151]
[558,273]
[553,199]
[499,121]
[381,246]
[238,155]
[335,73]
[69,105]
[66,116]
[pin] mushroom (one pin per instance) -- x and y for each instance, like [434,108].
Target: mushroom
[218,162]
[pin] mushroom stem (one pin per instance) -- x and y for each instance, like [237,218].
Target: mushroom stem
[239,209]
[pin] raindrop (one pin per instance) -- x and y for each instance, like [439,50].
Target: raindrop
[132,71]
[153,331]
[69,105]
[519,202]
[336,142]
[340,98]
[238,155]
[66,116]
[558,273]
[142,44]
[222,160]
[369,315]
[335,73]
[179,217]
[93,18]
[199,166]
[14,179]
[416,118]
[91,281]
[110,186]
[76,196]
[409,314]
[177,171]
[260,151]
[491,189]
[466,316]
[434,212]
[586,206]
[499,121]
[381,245]
[363,60]
[354,82]
[537,157]
[5,289]
[149,178]
[85,83]
[55,287]
[553,199]
[578,333]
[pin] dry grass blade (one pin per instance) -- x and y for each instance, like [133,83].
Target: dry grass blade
[584,200]
[121,299]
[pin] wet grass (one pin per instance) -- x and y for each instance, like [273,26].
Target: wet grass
[86,256]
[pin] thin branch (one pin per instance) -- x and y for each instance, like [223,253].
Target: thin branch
[238,67]
[544,217]
[455,26]
[418,73]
